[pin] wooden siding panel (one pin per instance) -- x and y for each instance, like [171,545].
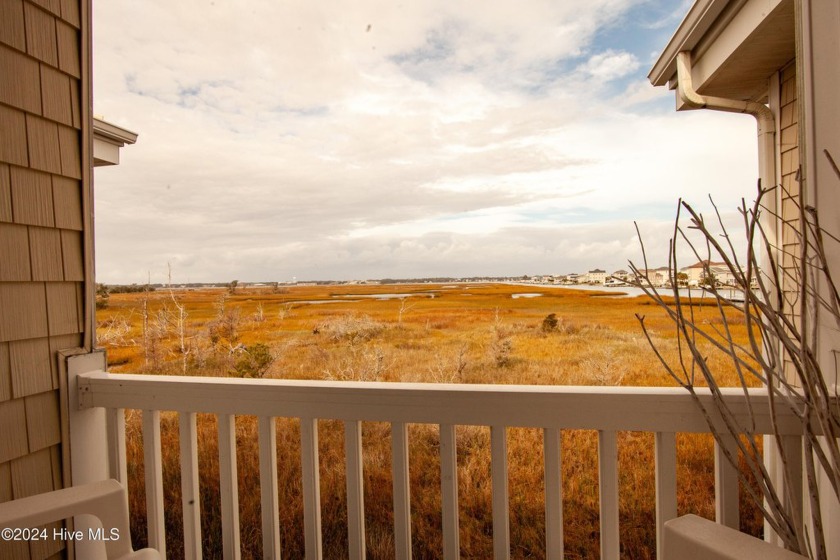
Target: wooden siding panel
[40,35]
[23,90]
[57,102]
[52,5]
[13,136]
[80,306]
[789,72]
[790,186]
[30,365]
[32,201]
[5,194]
[13,444]
[45,248]
[42,141]
[70,12]
[5,373]
[73,255]
[74,103]
[24,308]
[790,115]
[62,308]
[790,161]
[48,548]
[42,421]
[67,197]
[790,138]
[14,248]
[32,474]
[71,157]
[55,458]
[69,59]
[14,550]
[5,482]
[788,92]
[12,30]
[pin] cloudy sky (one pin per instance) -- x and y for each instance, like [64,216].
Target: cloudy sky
[369,139]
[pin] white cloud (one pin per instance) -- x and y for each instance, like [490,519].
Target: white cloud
[610,65]
[289,139]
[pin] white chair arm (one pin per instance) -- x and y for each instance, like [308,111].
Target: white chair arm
[106,500]
[694,538]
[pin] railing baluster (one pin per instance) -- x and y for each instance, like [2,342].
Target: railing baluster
[402,499]
[666,484]
[269,506]
[726,484]
[499,475]
[229,487]
[116,447]
[449,492]
[553,464]
[190,496]
[793,492]
[355,490]
[608,489]
[311,488]
[154,481]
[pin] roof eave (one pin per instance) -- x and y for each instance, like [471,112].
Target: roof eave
[700,18]
[112,133]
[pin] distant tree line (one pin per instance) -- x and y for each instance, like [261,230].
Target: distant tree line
[129,289]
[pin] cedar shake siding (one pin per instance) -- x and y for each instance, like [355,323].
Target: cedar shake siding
[45,275]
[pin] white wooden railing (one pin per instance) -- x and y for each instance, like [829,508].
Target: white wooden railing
[663,411]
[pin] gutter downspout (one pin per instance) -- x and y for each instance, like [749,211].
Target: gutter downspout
[766,141]
[766,123]
[764,117]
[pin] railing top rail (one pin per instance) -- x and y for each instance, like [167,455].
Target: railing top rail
[669,409]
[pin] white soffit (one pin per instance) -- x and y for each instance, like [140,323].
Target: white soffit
[735,46]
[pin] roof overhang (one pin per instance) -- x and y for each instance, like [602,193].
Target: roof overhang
[735,46]
[108,138]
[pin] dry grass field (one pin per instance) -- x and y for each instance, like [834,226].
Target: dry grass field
[478,333]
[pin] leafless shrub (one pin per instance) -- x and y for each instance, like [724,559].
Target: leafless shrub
[501,345]
[450,370]
[779,310]
[351,328]
[356,363]
[114,331]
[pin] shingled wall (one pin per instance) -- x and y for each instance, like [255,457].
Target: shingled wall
[45,243]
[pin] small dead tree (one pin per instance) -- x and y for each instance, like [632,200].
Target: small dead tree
[179,320]
[781,352]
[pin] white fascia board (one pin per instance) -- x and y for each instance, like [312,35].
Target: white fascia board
[112,133]
[700,18]
[108,138]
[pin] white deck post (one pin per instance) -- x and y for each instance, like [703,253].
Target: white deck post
[553,465]
[726,484]
[402,498]
[608,487]
[269,506]
[153,467]
[190,495]
[229,487]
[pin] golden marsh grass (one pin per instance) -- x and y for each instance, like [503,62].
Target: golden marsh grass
[466,334]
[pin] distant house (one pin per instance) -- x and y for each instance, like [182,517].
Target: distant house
[621,274]
[596,276]
[698,272]
[657,277]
